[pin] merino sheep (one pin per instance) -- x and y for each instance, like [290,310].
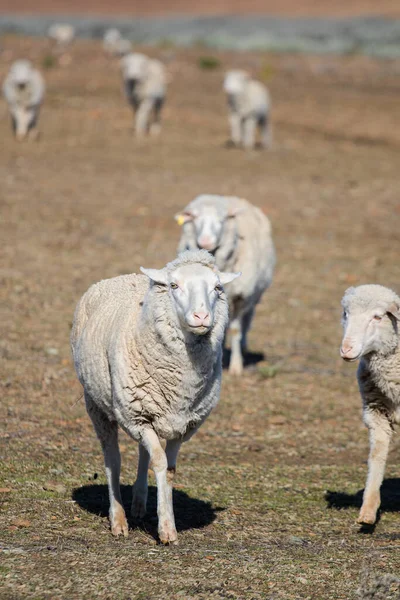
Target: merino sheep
[239,235]
[371,315]
[145,86]
[62,34]
[115,44]
[23,89]
[249,106]
[149,358]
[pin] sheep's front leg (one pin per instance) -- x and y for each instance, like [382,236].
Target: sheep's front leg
[236,362]
[236,128]
[143,116]
[139,495]
[166,521]
[107,432]
[380,433]
[155,127]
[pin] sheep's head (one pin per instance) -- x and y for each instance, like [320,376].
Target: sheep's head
[195,289]
[208,219]
[134,66]
[370,321]
[235,81]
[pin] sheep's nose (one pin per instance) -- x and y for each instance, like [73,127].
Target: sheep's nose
[201,318]
[346,349]
[206,243]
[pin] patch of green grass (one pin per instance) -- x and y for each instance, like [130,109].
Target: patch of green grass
[208,63]
[49,61]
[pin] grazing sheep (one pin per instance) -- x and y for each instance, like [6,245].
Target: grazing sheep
[149,358]
[23,89]
[249,107]
[115,44]
[239,235]
[371,315]
[62,34]
[145,86]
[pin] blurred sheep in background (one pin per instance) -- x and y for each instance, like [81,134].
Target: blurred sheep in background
[24,90]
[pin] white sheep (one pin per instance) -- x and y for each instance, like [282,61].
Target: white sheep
[249,107]
[145,87]
[239,235]
[148,355]
[114,44]
[62,34]
[371,315]
[23,89]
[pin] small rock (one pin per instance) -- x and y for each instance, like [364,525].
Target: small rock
[51,351]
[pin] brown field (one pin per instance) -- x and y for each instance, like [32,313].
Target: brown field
[260,486]
[293,8]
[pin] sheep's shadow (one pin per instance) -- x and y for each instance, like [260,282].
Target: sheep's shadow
[190,513]
[390,500]
[250,359]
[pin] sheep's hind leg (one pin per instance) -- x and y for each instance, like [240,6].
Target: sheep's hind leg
[236,362]
[155,127]
[249,132]
[246,323]
[166,521]
[380,433]
[139,494]
[107,432]
[265,131]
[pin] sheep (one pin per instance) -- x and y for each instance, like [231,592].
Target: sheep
[239,235]
[149,354]
[114,44]
[249,106]
[23,89]
[371,315]
[62,34]
[145,86]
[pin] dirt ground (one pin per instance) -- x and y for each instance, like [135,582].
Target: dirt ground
[294,8]
[268,491]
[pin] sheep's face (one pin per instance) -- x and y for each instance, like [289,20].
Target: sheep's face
[370,324]
[235,82]
[208,222]
[194,290]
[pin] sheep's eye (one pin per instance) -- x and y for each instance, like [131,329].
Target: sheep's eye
[174,286]
[344,315]
[218,288]
[377,318]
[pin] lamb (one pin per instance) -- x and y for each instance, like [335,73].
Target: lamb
[371,315]
[145,87]
[114,44]
[149,355]
[239,235]
[23,89]
[249,106]
[62,34]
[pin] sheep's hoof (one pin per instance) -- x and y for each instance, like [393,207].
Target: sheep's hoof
[167,534]
[119,525]
[367,517]
[235,369]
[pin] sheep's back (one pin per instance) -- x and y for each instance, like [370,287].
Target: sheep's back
[254,256]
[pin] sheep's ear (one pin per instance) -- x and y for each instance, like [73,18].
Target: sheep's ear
[184,217]
[228,277]
[156,275]
[394,309]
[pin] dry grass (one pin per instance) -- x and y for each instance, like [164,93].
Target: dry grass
[87,202]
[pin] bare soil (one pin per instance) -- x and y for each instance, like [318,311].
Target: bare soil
[268,491]
[293,8]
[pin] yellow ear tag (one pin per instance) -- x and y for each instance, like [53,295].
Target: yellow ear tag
[180,220]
